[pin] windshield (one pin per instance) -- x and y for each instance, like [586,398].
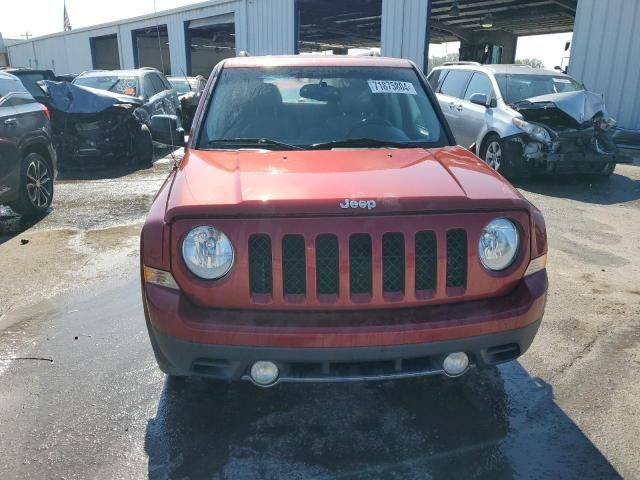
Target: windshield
[308,106]
[112,83]
[181,85]
[516,87]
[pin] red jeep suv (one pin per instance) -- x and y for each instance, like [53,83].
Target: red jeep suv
[323,226]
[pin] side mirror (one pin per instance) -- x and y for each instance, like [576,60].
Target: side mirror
[165,129]
[479,99]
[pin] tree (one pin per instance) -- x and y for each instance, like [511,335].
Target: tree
[437,61]
[532,62]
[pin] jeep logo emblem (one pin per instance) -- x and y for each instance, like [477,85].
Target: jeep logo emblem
[368,204]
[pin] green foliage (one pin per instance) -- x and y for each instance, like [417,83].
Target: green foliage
[532,62]
[437,61]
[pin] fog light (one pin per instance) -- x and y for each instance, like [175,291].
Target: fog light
[455,363]
[264,373]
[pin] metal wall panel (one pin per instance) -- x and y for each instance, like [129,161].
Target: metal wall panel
[605,55]
[270,27]
[71,51]
[404,29]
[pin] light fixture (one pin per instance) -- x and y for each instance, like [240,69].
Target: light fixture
[455,9]
[487,21]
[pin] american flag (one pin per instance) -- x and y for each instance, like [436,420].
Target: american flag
[67,23]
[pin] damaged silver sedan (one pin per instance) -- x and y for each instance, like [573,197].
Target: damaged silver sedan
[523,121]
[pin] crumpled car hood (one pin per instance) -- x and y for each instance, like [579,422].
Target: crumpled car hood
[249,182]
[69,98]
[581,105]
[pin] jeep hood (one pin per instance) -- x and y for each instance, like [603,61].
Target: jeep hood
[567,109]
[259,183]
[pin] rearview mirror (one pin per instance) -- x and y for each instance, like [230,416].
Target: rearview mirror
[320,92]
[479,99]
[164,129]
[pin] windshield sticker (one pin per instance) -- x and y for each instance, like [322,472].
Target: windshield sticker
[392,86]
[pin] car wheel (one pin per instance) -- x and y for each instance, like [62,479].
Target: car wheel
[144,147]
[493,153]
[608,170]
[36,186]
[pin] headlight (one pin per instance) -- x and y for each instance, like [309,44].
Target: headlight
[534,131]
[207,252]
[498,244]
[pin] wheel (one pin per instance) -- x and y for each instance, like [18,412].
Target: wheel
[143,145]
[607,171]
[493,153]
[36,186]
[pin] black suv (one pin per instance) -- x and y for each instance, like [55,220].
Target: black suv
[27,158]
[30,78]
[146,84]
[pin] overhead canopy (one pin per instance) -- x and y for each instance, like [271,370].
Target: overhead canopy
[519,17]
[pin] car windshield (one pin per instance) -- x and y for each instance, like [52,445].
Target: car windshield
[516,87]
[321,107]
[182,85]
[126,85]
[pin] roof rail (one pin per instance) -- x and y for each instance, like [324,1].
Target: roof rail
[447,64]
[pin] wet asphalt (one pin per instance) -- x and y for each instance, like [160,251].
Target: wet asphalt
[81,397]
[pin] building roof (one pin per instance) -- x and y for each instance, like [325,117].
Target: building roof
[315,60]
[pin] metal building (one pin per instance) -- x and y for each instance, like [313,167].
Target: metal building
[192,39]
[605,55]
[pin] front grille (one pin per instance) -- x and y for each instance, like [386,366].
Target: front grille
[360,263]
[260,264]
[393,266]
[399,268]
[327,264]
[426,261]
[294,270]
[456,258]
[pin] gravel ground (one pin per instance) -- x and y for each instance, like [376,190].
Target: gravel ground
[567,409]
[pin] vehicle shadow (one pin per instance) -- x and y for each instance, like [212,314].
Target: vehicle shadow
[617,189]
[494,424]
[12,224]
[96,169]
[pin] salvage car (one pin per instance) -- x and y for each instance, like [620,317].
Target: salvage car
[337,234]
[148,85]
[27,157]
[189,91]
[523,120]
[97,128]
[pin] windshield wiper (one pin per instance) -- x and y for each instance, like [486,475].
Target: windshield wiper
[252,143]
[361,143]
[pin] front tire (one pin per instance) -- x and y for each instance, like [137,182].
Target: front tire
[493,153]
[143,144]
[36,186]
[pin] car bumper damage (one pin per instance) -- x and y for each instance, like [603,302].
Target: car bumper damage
[367,345]
[581,135]
[93,124]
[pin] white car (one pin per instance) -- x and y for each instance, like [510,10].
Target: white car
[522,120]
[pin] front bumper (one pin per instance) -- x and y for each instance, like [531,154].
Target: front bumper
[354,345]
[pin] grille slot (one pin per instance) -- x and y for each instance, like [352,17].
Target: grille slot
[260,264]
[393,267]
[426,261]
[294,268]
[327,265]
[360,263]
[456,258]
